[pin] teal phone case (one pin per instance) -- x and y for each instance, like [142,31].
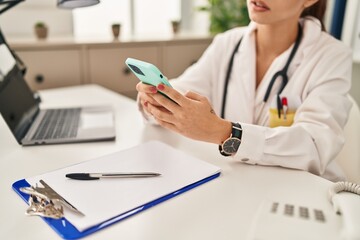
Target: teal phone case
[146,72]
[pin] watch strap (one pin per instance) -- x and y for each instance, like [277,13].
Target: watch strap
[236,130]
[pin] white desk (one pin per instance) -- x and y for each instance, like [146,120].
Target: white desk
[220,209]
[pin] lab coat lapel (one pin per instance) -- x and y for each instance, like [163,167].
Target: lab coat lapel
[247,62]
[311,33]
[261,107]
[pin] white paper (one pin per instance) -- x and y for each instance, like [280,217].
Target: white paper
[103,199]
[7,61]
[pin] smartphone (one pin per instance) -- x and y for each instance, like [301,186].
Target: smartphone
[146,72]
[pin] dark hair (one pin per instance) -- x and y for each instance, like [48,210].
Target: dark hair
[317,10]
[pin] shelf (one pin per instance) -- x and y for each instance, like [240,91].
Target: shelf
[73,41]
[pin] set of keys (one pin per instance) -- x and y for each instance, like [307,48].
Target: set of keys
[45,202]
[44,208]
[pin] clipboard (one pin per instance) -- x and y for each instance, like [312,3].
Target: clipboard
[65,229]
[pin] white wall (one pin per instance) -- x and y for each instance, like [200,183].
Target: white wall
[193,20]
[18,22]
[91,22]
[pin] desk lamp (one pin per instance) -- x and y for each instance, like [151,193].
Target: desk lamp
[70,4]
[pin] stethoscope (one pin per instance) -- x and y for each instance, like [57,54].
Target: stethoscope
[282,73]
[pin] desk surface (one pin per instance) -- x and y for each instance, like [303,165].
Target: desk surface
[220,209]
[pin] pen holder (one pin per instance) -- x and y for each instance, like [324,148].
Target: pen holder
[275,121]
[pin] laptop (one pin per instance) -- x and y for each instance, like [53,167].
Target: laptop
[31,125]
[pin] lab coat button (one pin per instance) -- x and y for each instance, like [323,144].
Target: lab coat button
[245,159]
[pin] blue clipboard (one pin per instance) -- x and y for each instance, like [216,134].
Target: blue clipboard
[67,231]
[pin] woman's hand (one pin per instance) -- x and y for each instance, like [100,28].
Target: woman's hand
[190,115]
[145,95]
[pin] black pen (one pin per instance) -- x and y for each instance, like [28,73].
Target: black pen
[96,176]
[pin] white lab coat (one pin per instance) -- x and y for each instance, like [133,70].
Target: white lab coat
[319,75]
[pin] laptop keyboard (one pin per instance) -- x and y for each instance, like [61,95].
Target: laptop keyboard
[58,123]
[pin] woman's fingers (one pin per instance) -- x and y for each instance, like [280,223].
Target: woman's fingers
[145,88]
[176,99]
[172,93]
[160,113]
[146,93]
[144,97]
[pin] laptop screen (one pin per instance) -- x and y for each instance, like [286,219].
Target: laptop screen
[17,103]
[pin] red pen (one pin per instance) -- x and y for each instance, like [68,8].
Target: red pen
[284,106]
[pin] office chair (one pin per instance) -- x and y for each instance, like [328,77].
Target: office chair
[349,157]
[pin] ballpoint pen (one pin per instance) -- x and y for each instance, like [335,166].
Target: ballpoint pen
[96,176]
[284,106]
[278,105]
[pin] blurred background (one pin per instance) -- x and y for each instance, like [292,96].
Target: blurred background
[186,25]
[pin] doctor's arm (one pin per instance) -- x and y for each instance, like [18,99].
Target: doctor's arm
[316,136]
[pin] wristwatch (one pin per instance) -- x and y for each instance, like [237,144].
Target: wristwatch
[231,145]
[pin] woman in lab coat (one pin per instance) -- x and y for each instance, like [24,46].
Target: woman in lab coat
[299,124]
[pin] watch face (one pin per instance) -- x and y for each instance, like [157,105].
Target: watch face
[231,145]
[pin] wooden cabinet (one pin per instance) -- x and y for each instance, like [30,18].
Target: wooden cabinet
[51,65]
[178,56]
[51,68]
[107,66]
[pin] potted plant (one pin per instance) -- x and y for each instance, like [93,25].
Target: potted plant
[116,28]
[41,30]
[225,15]
[175,26]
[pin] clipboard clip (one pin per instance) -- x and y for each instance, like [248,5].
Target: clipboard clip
[44,201]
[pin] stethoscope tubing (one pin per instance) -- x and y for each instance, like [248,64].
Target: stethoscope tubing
[282,73]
